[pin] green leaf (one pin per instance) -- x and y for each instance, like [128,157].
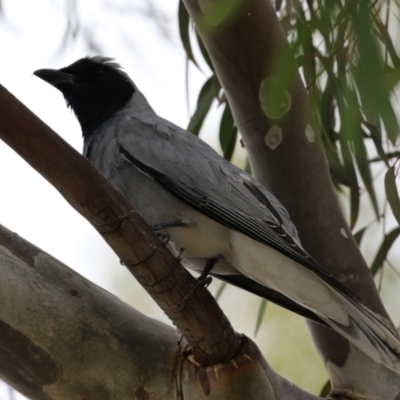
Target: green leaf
[368,72]
[383,35]
[392,193]
[184,28]
[219,291]
[387,243]
[376,137]
[327,113]
[260,315]
[206,97]
[227,133]
[364,167]
[326,389]
[351,119]
[391,78]
[352,178]
[359,235]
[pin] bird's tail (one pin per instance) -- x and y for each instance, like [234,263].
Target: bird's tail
[368,331]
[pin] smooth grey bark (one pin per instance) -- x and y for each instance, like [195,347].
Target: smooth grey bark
[63,337]
[244,46]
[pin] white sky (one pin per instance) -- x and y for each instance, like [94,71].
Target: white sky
[31,38]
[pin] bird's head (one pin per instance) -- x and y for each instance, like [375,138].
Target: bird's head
[94,87]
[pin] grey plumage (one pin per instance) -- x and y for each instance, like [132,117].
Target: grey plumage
[169,174]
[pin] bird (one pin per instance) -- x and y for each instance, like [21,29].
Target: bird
[216,217]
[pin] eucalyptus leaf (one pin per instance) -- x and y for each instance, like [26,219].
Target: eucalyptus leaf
[220,290]
[364,168]
[326,389]
[386,245]
[260,315]
[204,101]
[392,193]
[227,133]
[184,31]
[359,235]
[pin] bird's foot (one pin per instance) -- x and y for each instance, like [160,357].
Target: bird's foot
[164,236]
[204,281]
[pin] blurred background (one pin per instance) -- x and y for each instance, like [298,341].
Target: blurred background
[144,38]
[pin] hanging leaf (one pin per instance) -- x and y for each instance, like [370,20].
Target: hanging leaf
[359,235]
[353,181]
[326,389]
[227,133]
[392,193]
[383,34]
[367,73]
[386,245]
[376,136]
[361,157]
[350,118]
[260,315]
[219,291]
[184,31]
[204,102]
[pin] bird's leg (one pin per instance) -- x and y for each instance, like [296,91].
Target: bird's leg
[164,236]
[204,278]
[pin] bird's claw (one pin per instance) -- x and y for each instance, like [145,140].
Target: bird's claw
[204,281]
[164,236]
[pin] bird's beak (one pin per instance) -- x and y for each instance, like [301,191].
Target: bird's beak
[55,77]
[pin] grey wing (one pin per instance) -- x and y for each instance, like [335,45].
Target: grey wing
[195,173]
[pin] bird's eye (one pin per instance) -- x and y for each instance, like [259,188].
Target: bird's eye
[99,72]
